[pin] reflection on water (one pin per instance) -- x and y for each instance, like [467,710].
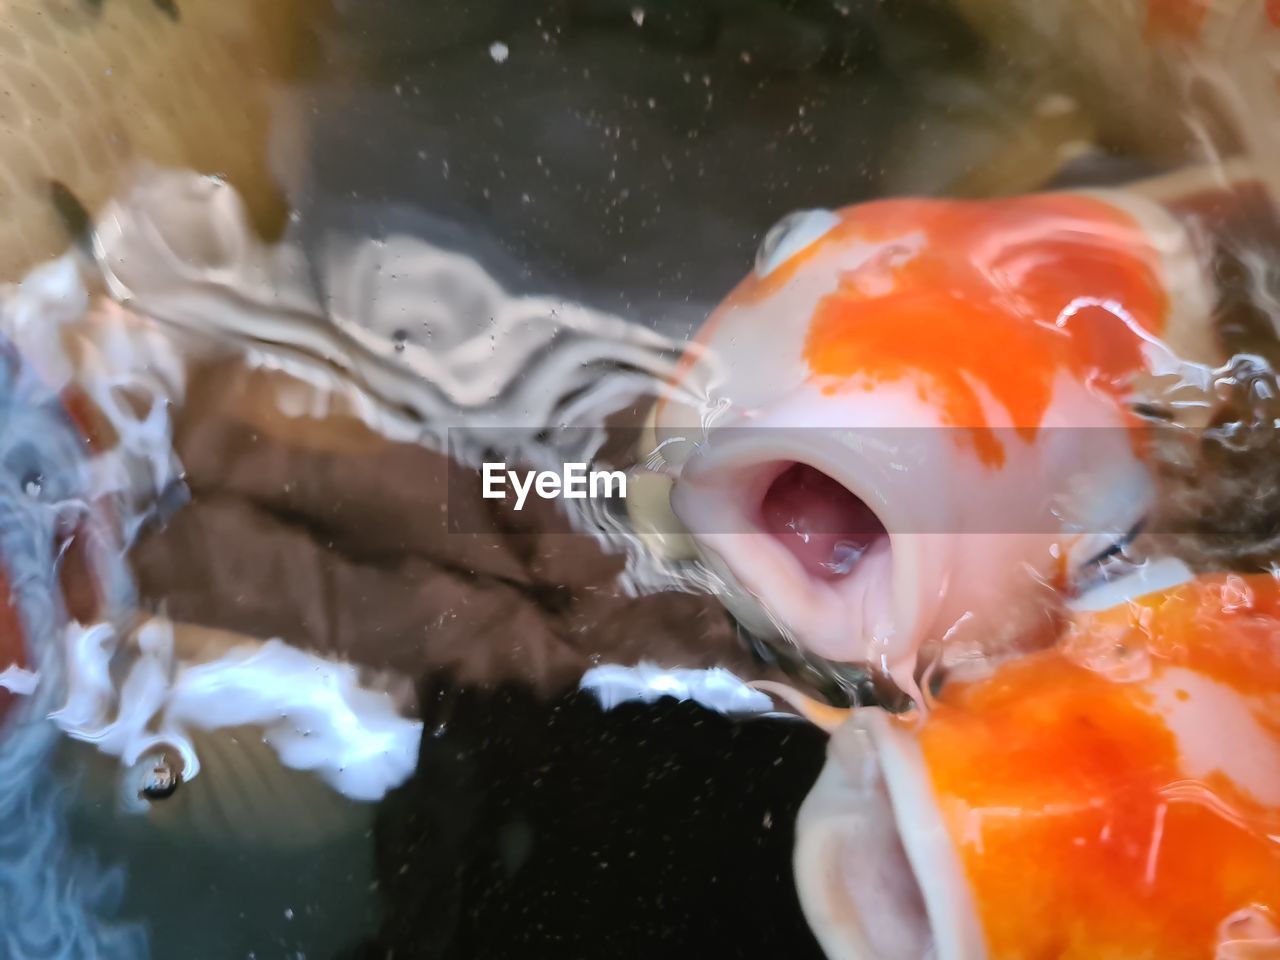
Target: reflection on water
[280,473]
[281,682]
[56,901]
[91,88]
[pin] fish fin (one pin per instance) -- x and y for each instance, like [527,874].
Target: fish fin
[820,714]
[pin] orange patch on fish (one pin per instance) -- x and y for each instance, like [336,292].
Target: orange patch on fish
[1058,788]
[874,222]
[1273,12]
[891,218]
[1004,295]
[1177,19]
[12,646]
[755,288]
[1187,625]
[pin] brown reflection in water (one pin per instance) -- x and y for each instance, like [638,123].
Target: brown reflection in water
[336,541]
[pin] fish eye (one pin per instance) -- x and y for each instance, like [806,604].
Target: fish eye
[790,235]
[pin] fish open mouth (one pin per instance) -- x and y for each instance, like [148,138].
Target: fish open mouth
[821,522]
[875,870]
[805,531]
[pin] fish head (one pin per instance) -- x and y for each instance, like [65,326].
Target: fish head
[1117,796]
[915,416]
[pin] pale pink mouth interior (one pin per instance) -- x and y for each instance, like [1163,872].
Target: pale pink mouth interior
[820,521]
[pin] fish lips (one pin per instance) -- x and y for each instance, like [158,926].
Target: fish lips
[732,495]
[876,871]
[949,552]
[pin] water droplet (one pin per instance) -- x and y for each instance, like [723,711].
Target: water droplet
[499,51]
[157,775]
[637,14]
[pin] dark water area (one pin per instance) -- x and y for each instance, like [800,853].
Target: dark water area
[551,828]
[199,897]
[542,827]
[629,154]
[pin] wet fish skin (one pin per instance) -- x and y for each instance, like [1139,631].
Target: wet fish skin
[1129,776]
[938,383]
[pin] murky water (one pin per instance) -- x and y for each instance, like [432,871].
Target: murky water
[281,681]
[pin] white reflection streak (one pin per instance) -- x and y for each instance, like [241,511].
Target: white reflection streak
[1200,794]
[17,680]
[313,712]
[1162,360]
[1153,852]
[975,818]
[715,689]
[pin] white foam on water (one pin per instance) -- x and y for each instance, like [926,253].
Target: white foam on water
[133,370]
[715,688]
[17,680]
[316,714]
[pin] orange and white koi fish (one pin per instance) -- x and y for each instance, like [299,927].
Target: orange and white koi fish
[1115,796]
[913,411]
